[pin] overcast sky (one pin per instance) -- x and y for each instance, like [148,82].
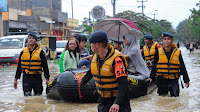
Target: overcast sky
[173,11]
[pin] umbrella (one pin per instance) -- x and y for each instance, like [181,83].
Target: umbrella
[116,28]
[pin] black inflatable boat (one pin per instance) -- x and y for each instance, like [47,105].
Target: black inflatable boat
[65,86]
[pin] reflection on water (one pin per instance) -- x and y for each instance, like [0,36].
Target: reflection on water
[12,100]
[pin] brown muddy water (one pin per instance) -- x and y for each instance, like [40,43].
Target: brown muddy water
[12,100]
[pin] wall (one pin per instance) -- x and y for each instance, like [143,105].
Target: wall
[5,16]
[59,16]
[41,7]
[29,12]
[13,14]
[15,4]
[57,5]
[5,27]
[27,4]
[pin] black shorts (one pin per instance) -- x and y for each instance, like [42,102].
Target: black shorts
[191,49]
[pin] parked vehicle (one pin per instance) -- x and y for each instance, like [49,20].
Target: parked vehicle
[60,46]
[10,48]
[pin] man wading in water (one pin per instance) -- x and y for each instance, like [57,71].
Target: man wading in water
[108,68]
[168,65]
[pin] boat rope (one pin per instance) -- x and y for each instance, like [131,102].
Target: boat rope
[79,89]
[78,76]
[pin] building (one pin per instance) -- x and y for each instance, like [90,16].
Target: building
[42,16]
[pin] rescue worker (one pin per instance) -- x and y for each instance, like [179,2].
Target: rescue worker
[118,45]
[168,66]
[32,62]
[149,50]
[108,68]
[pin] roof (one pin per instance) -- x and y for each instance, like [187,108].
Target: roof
[15,36]
[73,35]
[62,41]
[48,36]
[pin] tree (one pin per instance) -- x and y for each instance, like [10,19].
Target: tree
[189,29]
[147,24]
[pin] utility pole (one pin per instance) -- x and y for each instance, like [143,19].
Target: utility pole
[154,14]
[142,4]
[89,23]
[113,3]
[72,9]
[1,24]
[89,20]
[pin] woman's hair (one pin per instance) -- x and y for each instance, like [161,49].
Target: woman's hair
[77,50]
[81,38]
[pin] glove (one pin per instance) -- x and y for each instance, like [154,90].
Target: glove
[187,84]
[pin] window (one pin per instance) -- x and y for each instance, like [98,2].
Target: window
[11,43]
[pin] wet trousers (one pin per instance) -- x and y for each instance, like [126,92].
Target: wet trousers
[106,103]
[168,85]
[32,82]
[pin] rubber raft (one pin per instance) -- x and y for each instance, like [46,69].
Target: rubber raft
[65,87]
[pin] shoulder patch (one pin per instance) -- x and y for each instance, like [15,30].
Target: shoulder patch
[119,68]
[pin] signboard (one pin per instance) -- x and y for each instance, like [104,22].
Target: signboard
[48,45]
[73,22]
[98,12]
[3,5]
[44,45]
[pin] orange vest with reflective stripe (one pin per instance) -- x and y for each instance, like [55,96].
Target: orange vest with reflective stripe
[149,54]
[168,69]
[105,79]
[31,65]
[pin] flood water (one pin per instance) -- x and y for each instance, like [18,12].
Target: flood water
[12,100]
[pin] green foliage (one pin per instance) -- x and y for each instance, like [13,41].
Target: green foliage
[87,29]
[189,29]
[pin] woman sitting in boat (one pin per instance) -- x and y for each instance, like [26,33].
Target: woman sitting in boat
[70,58]
[133,55]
